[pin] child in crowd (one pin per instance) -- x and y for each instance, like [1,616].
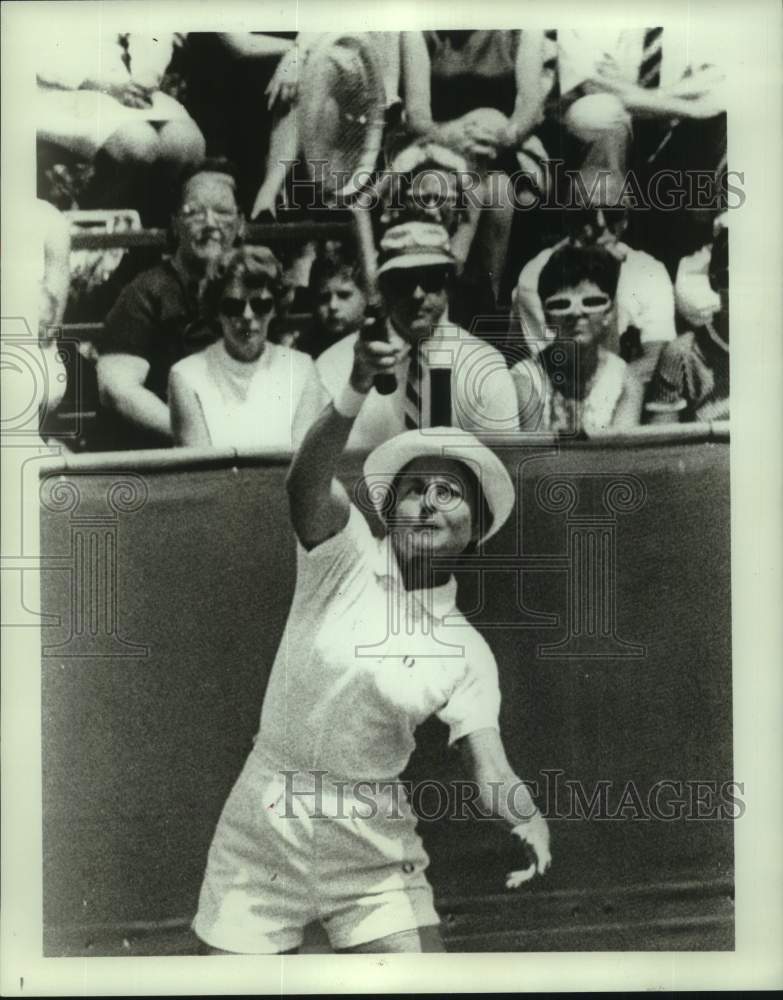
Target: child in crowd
[337,297]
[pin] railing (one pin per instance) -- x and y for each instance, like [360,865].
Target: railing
[167,576]
[284,232]
[181,459]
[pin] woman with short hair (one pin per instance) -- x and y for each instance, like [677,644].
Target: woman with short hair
[242,390]
[576,385]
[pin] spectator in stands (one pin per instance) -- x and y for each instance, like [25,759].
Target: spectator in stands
[339,302]
[575,385]
[283,94]
[415,273]
[102,101]
[691,381]
[153,323]
[694,297]
[242,390]
[480,94]
[432,183]
[427,181]
[609,79]
[645,299]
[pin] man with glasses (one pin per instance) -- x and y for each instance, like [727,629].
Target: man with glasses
[442,375]
[645,298]
[153,323]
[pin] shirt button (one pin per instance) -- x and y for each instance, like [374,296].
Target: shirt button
[408,867]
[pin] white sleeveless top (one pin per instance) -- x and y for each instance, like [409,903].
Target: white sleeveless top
[254,404]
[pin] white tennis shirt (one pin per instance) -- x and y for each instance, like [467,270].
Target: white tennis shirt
[363,662]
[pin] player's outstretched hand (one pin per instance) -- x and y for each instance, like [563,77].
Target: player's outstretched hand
[534,834]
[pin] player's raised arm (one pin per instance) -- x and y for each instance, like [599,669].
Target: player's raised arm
[503,795]
[318,502]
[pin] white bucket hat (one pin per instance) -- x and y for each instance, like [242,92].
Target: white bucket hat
[388,459]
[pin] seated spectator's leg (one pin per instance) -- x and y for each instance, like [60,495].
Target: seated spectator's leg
[601,121]
[181,143]
[122,167]
[133,144]
[283,148]
[494,227]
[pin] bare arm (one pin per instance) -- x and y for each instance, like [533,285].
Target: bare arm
[416,92]
[57,251]
[121,386]
[469,135]
[529,103]
[188,425]
[696,95]
[311,405]
[629,409]
[245,43]
[503,796]
[318,502]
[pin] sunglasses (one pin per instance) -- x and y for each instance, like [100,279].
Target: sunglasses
[561,305]
[235,308]
[429,279]
[577,219]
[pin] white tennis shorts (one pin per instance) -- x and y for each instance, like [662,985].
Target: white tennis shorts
[280,861]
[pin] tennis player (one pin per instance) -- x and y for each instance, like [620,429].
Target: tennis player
[317,827]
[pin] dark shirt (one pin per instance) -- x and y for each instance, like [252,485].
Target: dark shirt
[155,317]
[471,69]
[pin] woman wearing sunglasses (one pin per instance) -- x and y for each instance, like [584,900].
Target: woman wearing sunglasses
[243,390]
[577,386]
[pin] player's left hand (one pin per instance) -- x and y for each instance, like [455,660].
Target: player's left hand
[535,835]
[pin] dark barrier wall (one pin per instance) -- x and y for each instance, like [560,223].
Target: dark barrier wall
[606,602]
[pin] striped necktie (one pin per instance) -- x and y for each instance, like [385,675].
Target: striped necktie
[650,69]
[413,392]
[652,136]
[124,42]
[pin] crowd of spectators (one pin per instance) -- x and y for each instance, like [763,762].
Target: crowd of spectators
[546,300]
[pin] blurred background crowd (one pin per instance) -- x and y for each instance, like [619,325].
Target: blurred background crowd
[549,211]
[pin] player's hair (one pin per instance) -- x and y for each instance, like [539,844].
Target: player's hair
[569,266]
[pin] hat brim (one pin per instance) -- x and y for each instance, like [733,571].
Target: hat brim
[408,260]
[385,462]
